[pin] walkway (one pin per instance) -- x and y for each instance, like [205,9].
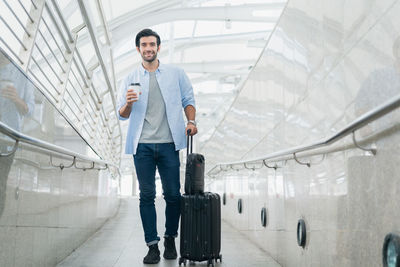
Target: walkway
[119,243]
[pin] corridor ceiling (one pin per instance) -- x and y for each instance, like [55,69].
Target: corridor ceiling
[216,42]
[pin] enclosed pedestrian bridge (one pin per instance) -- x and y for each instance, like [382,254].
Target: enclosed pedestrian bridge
[298,116]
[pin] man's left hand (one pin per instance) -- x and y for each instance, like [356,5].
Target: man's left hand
[192,128]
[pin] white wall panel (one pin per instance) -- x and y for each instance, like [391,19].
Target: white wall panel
[46,212]
[326,63]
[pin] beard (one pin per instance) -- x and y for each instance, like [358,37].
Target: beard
[149,59]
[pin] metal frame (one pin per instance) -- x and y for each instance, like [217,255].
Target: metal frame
[190,42]
[54,69]
[92,34]
[133,21]
[31,33]
[292,153]
[67,48]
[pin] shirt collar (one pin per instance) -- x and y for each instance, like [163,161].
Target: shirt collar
[160,68]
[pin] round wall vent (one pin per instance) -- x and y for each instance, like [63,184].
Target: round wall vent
[264,217]
[391,251]
[240,205]
[301,233]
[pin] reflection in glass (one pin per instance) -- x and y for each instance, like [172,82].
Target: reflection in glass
[26,110]
[16,101]
[16,95]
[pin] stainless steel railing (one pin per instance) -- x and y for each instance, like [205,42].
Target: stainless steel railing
[53,150]
[291,153]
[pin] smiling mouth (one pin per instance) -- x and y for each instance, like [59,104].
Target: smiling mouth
[149,57]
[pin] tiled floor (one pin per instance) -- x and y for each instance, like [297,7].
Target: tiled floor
[120,243]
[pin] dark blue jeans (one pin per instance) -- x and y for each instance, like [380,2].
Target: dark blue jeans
[163,157]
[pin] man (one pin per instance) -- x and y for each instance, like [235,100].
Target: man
[156,133]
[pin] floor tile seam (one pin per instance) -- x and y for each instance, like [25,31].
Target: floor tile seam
[86,245]
[246,238]
[130,210]
[123,250]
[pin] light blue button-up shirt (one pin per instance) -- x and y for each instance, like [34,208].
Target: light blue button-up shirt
[177,92]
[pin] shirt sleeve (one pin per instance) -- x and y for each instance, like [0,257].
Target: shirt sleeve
[122,98]
[186,90]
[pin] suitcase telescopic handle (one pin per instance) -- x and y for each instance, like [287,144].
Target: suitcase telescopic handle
[189,146]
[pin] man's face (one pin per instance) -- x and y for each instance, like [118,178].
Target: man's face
[148,48]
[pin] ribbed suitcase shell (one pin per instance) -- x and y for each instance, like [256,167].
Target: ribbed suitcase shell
[200,228]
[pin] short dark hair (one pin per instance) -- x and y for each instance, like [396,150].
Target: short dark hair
[145,33]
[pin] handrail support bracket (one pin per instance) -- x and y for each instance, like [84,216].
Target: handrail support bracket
[371,150]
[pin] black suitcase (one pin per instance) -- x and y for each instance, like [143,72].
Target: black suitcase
[194,175]
[200,228]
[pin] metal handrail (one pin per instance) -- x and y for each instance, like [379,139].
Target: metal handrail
[361,121]
[22,138]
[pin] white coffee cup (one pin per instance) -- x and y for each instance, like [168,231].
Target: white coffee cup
[5,83]
[136,88]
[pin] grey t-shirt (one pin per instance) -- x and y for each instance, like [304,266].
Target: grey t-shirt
[155,127]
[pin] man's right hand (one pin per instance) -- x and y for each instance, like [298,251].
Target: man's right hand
[131,97]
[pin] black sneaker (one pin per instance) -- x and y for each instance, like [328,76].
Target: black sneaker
[170,250]
[153,256]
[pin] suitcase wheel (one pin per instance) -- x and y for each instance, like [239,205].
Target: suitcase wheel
[219,257]
[182,260]
[210,263]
